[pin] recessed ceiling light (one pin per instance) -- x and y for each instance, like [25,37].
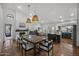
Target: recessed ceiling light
[8,17]
[19,7]
[60,17]
[72,14]
[62,20]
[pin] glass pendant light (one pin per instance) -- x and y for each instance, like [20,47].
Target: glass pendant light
[28,19]
[35,17]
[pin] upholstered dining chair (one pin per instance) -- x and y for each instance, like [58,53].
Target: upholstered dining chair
[46,46]
[19,42]
[26,46]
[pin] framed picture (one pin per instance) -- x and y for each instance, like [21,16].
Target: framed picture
[22,25]
[8,30]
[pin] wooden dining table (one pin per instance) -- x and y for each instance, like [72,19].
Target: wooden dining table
[34,39]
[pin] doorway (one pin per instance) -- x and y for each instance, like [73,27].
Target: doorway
[68,39]
[67,34]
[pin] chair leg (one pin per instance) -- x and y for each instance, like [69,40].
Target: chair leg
[21,47]
[25,52]
[39,51]
[22,51]
[48,53]
[52,51]
[17,44]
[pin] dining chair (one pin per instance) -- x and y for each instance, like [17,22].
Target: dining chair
[19,42]
[26,46]
[46,46]
[52,37]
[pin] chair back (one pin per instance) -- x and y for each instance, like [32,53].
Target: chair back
[24,41]
[50,37]
[21,33]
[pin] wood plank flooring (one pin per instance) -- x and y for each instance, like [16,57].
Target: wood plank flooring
[64,48]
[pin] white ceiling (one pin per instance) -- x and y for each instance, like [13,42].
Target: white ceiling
[48,12]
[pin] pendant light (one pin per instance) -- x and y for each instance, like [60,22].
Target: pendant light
[35,17]
[28,19]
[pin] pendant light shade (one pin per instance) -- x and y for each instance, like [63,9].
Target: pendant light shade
[35,18]
[28,20]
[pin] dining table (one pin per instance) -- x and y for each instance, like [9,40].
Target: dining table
[34,39]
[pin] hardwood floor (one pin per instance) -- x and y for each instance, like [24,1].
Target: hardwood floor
[64,48]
